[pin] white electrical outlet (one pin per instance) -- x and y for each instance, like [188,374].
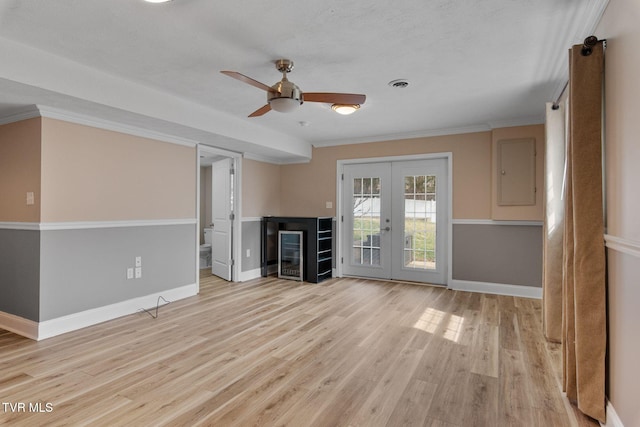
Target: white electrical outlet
[138,261]
[30,198]
[129,273]
[328,205]
[248,253]
[138,272]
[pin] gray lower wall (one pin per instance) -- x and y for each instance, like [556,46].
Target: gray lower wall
[251,235]
[20,273]
[86,268]
[505,254]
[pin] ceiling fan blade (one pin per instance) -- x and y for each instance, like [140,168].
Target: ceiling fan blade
[334,98]
[248,80]
[261,111]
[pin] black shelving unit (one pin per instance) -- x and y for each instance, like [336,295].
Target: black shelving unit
[317,244]
[324,249]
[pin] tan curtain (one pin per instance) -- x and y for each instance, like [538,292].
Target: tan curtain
[553,220]
[584,290]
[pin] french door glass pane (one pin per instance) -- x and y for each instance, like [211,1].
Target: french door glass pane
[366,221]
[420,222]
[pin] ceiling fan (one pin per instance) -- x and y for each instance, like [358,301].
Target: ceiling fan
[286,96]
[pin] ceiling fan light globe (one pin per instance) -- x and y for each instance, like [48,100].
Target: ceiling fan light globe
[345,109]
[284,105]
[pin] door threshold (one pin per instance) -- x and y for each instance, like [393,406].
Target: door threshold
[397,281]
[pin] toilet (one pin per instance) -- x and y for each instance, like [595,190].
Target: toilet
[205,249]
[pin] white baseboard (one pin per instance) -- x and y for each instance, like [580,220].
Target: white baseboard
[613,420]
[496,288]
[250,275]
[19,325]
[72,322]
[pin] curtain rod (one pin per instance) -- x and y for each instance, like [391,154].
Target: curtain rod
[587,49]
[556,104]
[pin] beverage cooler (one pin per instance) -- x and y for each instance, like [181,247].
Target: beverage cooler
[290,254]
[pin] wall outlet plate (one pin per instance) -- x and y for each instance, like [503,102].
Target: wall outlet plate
[138,261]
[138,272]
[129,273]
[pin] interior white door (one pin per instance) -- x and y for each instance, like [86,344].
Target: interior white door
[222,218]
[367,220]
[395,220]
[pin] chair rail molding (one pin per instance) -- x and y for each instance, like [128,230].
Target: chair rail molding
[620,244]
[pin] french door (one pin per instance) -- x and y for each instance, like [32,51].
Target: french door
[395,220]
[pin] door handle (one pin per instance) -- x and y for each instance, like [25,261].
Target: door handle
[387,228]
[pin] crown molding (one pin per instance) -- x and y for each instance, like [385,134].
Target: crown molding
[86,120]
[487,127]
[404,135]
[275,161]
[521,121]
[95,122]
[26,114]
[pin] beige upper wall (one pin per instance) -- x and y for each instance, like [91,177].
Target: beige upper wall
[260,188]
[307,187]
[532,212]
[91,174]
[20,171]
[619,26]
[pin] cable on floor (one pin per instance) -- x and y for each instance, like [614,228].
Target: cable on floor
[155,316]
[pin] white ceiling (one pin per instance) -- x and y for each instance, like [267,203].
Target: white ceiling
[472,65]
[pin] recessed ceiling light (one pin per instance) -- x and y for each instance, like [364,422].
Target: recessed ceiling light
[157,1]
[345,109]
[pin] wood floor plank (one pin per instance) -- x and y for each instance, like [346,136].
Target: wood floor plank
[485,351]
[272,352]
[480,405]
[514,395]
[413,404]
[383,399]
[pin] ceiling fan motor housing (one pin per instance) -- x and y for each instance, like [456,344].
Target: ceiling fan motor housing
[287,95]
[285,89]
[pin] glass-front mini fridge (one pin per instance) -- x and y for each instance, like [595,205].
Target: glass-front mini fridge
[290,256]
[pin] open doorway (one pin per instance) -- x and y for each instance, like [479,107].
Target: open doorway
[218,212]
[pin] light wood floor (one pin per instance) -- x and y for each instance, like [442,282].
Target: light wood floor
[346,352]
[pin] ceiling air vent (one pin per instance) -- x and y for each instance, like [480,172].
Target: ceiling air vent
[399,83]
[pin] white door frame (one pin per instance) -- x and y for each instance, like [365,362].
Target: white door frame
[206,150]
[340,208]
